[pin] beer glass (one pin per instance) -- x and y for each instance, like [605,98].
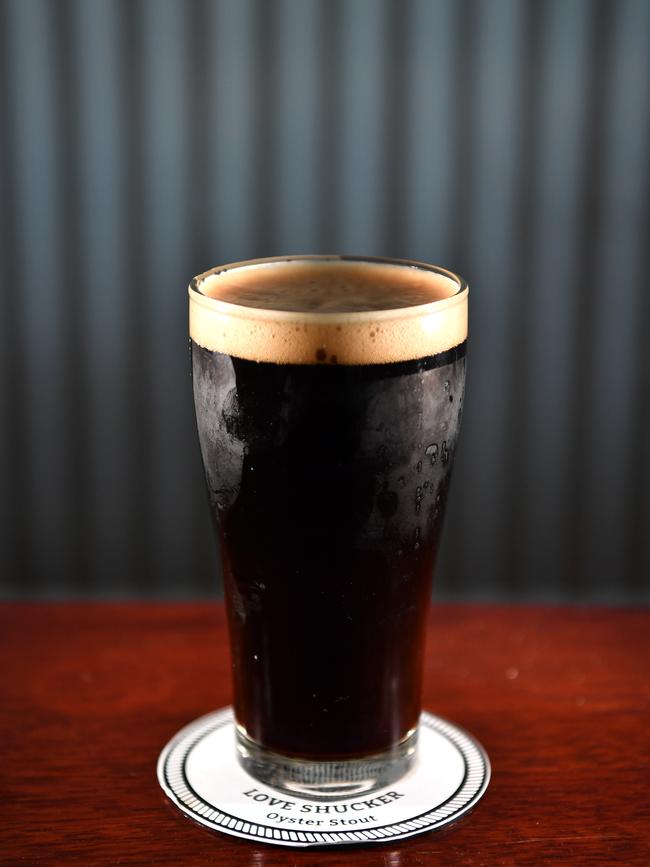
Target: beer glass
[328,394]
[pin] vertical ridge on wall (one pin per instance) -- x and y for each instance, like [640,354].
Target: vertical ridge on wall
[363,35]
[395,135]
[45,558]
[615,300]
[296,126]
[167,59]
[636,555]
[517,373]
[460,35]
[265,99]
[328,97]
[552,272]
[489,225]
[136,522]
[601,21]
[432,113]
[230,133]
[142,142]
[200,560]
[15,561]
[101,264]
[77,509]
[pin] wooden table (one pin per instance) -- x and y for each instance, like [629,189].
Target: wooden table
[89,693]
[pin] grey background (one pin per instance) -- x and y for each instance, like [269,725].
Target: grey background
[143,142]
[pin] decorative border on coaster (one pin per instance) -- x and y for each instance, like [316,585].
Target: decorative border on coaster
[173,779]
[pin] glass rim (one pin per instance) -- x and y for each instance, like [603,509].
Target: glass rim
[234,309]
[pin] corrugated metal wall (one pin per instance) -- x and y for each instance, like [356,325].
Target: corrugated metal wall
[142,142]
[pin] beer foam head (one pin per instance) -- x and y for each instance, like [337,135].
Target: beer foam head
[328,310]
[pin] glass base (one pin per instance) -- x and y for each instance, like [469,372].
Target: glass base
[323,780]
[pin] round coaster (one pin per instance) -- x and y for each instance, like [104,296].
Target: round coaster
[198,770]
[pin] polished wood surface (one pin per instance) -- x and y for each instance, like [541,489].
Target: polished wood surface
[89,694]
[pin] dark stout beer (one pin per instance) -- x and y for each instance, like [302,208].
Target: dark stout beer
[328,395]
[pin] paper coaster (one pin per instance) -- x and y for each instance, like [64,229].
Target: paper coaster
[198,770]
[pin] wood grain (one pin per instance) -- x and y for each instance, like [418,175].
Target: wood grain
[89,694]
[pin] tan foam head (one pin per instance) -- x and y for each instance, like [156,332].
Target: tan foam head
[328,309]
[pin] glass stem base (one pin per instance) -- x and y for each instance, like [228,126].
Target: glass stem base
[322,780]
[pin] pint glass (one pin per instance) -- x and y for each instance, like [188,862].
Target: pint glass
[328,394]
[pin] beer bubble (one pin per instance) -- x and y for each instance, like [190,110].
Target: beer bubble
[444,453]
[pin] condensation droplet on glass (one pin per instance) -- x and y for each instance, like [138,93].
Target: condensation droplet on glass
[446,385]
[432,452]
[419,466]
